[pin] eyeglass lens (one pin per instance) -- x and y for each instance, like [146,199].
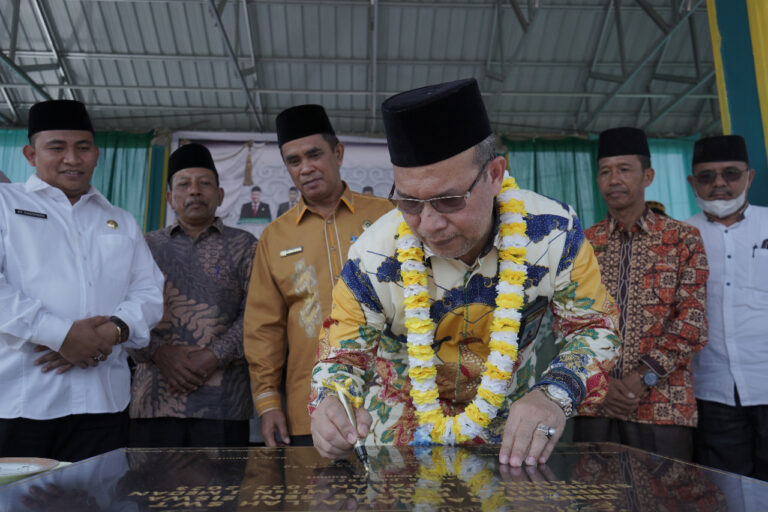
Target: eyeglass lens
[730,175]
[441,204]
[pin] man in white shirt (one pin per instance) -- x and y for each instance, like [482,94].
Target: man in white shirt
[729,373]
[77,285]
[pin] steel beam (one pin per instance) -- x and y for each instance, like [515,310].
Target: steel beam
[52,66]
[50,37]
[544,4]
[308,60]
[650,11]
[606,77]
[20,72]
[620,37]
[595,54]
[655,48]
[252,44]
[14,30]
[496,36]
[352,92]
[674,103]
[518,13]
[694,46]
[675,78]
[228,45]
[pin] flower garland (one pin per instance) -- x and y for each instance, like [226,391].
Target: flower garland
[434,426]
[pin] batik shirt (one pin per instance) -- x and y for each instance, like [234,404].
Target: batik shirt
[657,271]
[365,337]
[206,280]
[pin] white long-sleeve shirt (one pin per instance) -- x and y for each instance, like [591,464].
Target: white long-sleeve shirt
[737,310]
[60,263]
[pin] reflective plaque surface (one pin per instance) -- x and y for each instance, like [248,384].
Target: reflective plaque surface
[577,477]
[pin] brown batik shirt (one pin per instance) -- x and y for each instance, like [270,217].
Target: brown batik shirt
[206,281]
[657,272]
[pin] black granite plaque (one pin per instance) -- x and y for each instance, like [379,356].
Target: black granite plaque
[577,477]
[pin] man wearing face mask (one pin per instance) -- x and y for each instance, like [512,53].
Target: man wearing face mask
[731,390]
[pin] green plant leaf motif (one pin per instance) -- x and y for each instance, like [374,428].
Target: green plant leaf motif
[380,408]
[388,436]
[350,345]
[568,296]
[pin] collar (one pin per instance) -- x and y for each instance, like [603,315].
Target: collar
[35,184]
[347,198]
[218,225]
[647,223]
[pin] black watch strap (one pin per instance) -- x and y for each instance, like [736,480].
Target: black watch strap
[122,327]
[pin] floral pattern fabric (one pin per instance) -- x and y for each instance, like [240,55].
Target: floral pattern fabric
[365,338]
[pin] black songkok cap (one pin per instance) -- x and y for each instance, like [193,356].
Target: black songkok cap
[58,115]
[433,123]
[302,121]
[720,148]
[622,141]
[190,155]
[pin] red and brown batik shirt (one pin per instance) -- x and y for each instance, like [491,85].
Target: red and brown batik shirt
[657,272]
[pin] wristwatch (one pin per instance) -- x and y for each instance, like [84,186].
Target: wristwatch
[123,332]
[560,397]
[650,378]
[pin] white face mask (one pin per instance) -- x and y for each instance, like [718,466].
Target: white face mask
[721,208]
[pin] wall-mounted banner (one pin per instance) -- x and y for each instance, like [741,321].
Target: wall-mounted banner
[257,187]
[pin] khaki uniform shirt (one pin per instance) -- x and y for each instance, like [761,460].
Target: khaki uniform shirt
[298,260]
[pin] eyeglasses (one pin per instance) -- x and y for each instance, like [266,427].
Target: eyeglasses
[442,204]
[729,174]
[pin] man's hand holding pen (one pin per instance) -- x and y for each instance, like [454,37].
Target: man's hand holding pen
[332,431]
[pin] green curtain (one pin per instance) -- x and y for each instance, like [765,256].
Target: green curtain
[12,162]
[671,159]
[121,174]
[560,169]
[566,169]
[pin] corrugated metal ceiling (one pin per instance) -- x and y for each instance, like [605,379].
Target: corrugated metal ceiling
[547,67]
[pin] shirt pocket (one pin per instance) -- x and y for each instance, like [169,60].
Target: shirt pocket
[114,255]
[758,272]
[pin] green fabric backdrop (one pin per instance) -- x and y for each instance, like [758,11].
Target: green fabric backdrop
[121,175]
[566,169]
[561,169]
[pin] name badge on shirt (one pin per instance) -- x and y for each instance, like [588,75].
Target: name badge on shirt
[31,214]
[530,321]
[293,250]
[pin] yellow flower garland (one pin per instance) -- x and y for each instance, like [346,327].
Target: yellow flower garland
[504,328]
[472,470]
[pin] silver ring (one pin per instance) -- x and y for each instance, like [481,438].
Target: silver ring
[547,430]
[98,358]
